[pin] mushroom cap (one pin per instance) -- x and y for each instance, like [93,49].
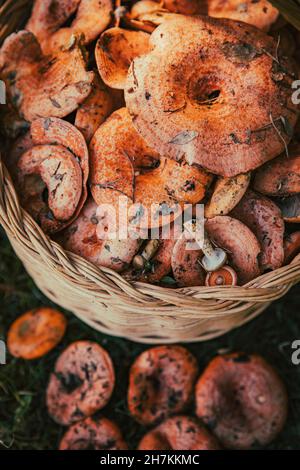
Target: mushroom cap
[259,13]
[186,263]
[203,111]
[95,109]
[81,384]
[291,246]
[161,383]
[225,276]
[242,399]
[115,50]
[216,261]
[265,220]
[179,433]
[36,333]
[144,6]
[241,244]
[93,433]
[41,86]
[81,238]
[281,177]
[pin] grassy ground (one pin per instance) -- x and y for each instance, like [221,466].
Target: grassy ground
[24,423]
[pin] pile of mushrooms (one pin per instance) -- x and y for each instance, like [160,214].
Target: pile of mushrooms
[159,105]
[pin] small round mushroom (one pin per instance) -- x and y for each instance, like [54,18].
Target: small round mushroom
[43,86]
[291,247]
[241,398]
[226,276]
[265,220]
[179,433]
[93,434]
[161,382]
[202,111]
[115,50]
[81,238]
[36,333]
[81,384]
[281,177]
[239,242]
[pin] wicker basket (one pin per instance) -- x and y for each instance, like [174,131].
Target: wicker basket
[103,299]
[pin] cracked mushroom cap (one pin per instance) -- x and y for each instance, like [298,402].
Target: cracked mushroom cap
[93,434]
[55,158]
[265,220]
[239,242]
[117,151]
[241,398]
[115,51]
[179,433]
[225,111]
[48,17]
[81,384]
[41,86]
[161,383]
[81,238]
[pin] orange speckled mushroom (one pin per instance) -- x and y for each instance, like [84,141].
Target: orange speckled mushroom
[161,383]
[185,7]
[56,157]
[41,86]
[36,333]
[281,177]
[226,276]
[186,263]
[179,433]
[115,50]
[291,247]
[117,150]
[81,238]
[93,434]
[190,97]
[242,399]
[241,244]
[81,384]
[92,17]
[144,6]
[259,13]
[95,109]
[265,220]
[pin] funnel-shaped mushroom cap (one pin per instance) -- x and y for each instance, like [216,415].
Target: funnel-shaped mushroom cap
[241,244]
[259,13]
[264,218]
[92,17]
[115,50]
[42,86]
[212,92]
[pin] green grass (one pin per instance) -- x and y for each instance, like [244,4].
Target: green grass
[24,422]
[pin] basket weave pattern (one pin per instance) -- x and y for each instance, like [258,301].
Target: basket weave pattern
[103,299]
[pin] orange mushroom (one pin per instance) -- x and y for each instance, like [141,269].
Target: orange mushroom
[186,263]
[179,433]
[264,218]
[281,177]
[291,247]
[48,17]
[201,111]
[226,276]
[81,384]
[241,398]
[81,238]
[115,50]
[36,333]
[41,86]
[161,382]
[185,7]
[239,242]
[93,434]
[52,173]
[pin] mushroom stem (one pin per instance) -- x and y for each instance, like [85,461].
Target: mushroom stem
[140,261]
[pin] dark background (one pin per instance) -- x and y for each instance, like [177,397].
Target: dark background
[24,422]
